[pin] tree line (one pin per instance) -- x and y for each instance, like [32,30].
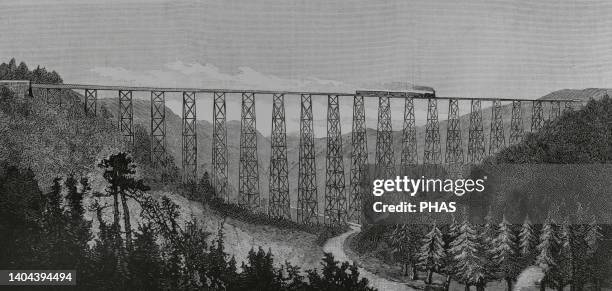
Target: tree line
[49,230]
[477,254]
[12,71]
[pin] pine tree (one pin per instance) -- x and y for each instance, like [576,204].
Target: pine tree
[527,241]
[205,189]
[405,242]
[74,197]
[449,261]
[259,272]
[470,269]
[505,252]
[547,250]
[566,256]
[432,253]
[597,259]
[145,261]
[593,237]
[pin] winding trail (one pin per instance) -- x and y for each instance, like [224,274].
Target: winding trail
[335,245]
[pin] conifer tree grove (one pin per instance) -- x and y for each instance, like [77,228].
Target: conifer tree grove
[470,265]
[432,253]
[547,250]
[505,252]
[527,241]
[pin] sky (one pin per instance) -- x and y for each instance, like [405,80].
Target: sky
[470,48]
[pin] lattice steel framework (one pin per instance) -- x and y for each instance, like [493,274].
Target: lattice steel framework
[54,97]
[335,198]
[279,173]
[384,137]
[454,150]
[158,129]
[497,138]
[359,158]
[432,154]
[126,116]
[409,139]
[307,208]
[555,110]
[476,139]
[537,117]
[248,172]
[219,146]
[516,123]
[91,102]
[189,138]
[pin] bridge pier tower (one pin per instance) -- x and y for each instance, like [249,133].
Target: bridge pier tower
[537,116]
[307,207]
[409,140]
[516,123]
[219,146]
[335,197]
[359,158]
[189,139]
[432,153]
[384,137]
[476,140]
[497,139]
[248,172]
[126,116]
[454,149]
[54,98]
[279,175]
[158,129]
[91,102]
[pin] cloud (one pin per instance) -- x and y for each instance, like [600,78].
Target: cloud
[180,74]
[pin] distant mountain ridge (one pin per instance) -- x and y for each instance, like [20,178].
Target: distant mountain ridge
[577,94]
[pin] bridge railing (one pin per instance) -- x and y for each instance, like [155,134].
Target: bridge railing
[342,202]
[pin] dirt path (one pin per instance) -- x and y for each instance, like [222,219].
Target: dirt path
[335,246]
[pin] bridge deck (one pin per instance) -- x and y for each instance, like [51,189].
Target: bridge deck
[270,92]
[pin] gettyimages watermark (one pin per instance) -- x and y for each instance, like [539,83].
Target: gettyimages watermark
[422,194]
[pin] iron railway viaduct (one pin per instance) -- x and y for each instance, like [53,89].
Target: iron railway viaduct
[342,199]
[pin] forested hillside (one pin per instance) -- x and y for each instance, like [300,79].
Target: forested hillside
[50,142]
[58,165]
[532,214]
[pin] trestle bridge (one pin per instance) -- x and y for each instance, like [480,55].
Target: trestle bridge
[342,199]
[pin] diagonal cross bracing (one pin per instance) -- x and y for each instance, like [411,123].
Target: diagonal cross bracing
[307,207]
[409,139]
[189,153]
[476,141]
[516,123]
[158,129]
[335,198]
[454,147]
[91,102]
[497,139]
[537,116]
[219,146]
[126,117]
[248,172]
[432,153]
[359,158]
[279,175]
[384,137]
